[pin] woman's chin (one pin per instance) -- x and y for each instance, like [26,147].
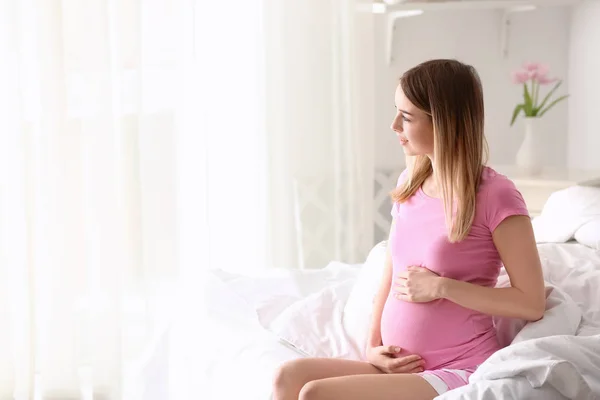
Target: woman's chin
[408,152]
[411,152]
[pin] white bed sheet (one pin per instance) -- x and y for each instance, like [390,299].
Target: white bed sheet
[243,364]
[243,356]
[581,282]
[245,369]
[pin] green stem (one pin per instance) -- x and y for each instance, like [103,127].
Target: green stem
[531,95]
[528,100]
[536,95]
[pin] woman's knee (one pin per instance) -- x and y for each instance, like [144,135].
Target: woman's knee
[312,390]
[287,378]
[284,373]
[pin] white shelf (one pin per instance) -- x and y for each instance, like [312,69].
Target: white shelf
[551,176]
[476,4]
[408,9]
[537,188]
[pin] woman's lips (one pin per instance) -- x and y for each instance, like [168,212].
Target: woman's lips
[403,140]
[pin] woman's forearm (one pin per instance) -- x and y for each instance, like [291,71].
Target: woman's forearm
[505,302]
[375,331]
[374,339]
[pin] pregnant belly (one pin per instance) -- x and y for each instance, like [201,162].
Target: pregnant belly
[439,331]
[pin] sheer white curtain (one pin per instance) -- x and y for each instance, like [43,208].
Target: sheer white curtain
[305,105]
[90,98]
[320,102]
[284,91]
[145,142]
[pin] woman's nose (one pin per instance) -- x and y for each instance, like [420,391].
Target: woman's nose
[396,124]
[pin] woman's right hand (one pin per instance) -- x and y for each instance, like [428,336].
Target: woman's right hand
[383,358]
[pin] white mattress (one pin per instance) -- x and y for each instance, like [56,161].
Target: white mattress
[244,357]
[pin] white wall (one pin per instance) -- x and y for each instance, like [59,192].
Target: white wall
[473,37]
[584,78]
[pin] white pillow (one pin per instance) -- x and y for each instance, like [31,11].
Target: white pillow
[335,321]
[270,296]
[314,325]
[589,234]
[359,307]
[566,212]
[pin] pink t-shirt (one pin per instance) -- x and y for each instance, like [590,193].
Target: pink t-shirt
[444,333]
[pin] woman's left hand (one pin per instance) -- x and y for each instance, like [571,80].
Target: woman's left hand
[417,285]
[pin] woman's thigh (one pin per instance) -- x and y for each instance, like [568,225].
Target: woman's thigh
[310,369]
[293,375]
[366,387]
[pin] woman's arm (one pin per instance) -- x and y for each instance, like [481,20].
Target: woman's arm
[380,299]
[526,299]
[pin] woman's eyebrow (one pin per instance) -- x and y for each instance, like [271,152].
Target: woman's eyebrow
[405,112]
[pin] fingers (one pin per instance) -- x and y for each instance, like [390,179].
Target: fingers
[390,349]
[407,360]
[410,364]
[419,268]
[403,293]
[410,270]
[401,283]
[405,297]
[415,366]
[401,289]
[404,275]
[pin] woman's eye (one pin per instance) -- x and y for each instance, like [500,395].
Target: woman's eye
[405,119]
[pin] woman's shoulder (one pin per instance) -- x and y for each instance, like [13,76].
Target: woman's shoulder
[494,182]
[499,198]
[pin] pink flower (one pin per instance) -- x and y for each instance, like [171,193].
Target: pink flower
[520,76]
[544,80]
[531,66]
[539,73]
[543,69]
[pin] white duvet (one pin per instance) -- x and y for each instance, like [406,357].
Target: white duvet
[563,365]
[557,357]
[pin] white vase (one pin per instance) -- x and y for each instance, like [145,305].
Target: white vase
[529,156]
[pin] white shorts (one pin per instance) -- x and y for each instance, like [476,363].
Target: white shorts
[444,380]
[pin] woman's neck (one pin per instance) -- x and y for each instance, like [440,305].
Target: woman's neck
[433,175]
[430,187]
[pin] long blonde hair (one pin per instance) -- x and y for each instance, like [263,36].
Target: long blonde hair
[450,93]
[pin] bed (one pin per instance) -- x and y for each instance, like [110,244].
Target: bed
[258,322]
[251,345]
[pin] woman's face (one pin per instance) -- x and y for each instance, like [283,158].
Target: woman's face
[412,126]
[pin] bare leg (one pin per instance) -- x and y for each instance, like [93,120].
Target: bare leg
[366,387]
[293,375]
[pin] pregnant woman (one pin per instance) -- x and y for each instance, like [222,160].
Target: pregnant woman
[455,223]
